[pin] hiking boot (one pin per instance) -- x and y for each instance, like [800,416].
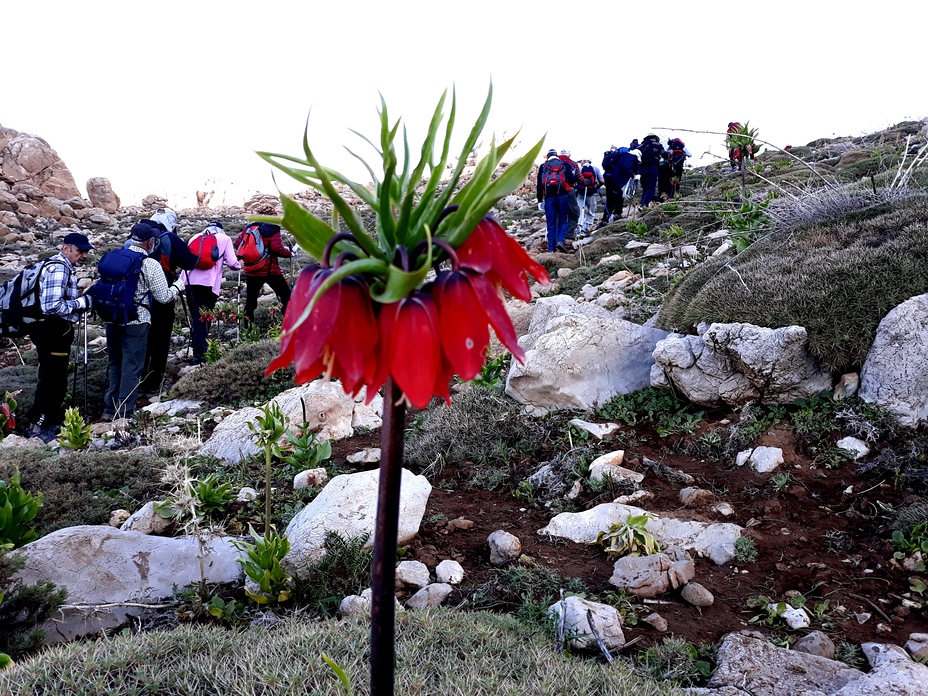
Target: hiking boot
[563,249]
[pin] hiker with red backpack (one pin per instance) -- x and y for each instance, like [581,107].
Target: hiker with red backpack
[259,246]
[573,200]
[588,183]
[676,157]
[555,180]
[213,249]
[651,153]
[172,254]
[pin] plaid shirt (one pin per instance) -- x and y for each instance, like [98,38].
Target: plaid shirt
[152,281]
[58,289]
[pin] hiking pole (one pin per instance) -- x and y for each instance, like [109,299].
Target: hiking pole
[86,414]
[583,210]
[74,378]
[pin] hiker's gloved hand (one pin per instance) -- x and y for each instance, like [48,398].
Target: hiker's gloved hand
[637,177]
[179,285]
[83,303]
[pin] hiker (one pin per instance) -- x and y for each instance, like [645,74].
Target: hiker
[734,153]
[554,182]
[677,155]
[573,202]
[128,321]
[173,255]
[54,333]
[651,150]
[213,249]
[259,246]
[664,189]
[623,167]
[588,183]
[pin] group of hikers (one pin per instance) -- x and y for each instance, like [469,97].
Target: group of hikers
[568,191]
[135,296]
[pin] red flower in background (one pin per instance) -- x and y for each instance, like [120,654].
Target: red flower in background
[338,338]
[6,411]
[491,251]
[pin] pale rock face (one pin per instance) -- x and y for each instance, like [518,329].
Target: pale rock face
[449,572]
[855,445]
[597,430]
[650,576]
[101,194]
[29,159]
[816,643]
[606,620]
[504,547]
[145,521]
[429,596]
[329,410]
[310,477]
[737,363]
[102,565]
[412,574]
[579,355]
[697,595]
[895,375]
[765,459]
[348,505]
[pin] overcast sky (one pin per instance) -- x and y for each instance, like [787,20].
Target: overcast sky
[174,97]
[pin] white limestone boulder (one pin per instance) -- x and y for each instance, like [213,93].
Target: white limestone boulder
[430,596]
[579,355]
[348,505]
[653,575]
[606,620]
[102,565]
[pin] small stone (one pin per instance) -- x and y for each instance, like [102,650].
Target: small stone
[449,572]
[246,495]
[636,497]
[697,595]
[816,643]
[504,547]
[459,523]
[917,645]
[371,455]
[852,444]
[723,509]
[794,618]
[117,517]
[146,521]
[597,430]
[412,574]
[563,272]
[766,459]
[863,617]
[696,497]
[430,596]
[574,491]
[656,621]
[309,478]
[883,629]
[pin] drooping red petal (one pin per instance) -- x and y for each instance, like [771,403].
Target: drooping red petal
[442,381]
[490,250]
[354,337]
[304,345]
[313,335]
[386,322]
[496,314]
[479,249]
[417,356]
[462,324]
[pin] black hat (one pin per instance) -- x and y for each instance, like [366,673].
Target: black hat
[142,232]
[551,153]
[78,240]
[215,223]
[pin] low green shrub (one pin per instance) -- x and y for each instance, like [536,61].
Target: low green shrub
[237,378]
[344,570]
[23,608]
[669,415]
[18,509]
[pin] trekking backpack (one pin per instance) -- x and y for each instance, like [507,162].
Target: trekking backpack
[114,294]
[19,300]
[677,153]
[587,178]
[206,248]
[160,250]
[251,250]
[552,177]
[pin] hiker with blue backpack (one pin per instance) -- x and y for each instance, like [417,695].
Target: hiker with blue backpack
[555,179]
[259,246]
[172,254]
[52,331]
[131,284]
[651,154]
[620,167]
[213,249]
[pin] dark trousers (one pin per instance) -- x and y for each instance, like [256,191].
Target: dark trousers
[253,285]
[125,347]
[201,298]
[52,337]
[557,210]
[614,200]
[159,344]
[663,181]
[648,184]
[573,213]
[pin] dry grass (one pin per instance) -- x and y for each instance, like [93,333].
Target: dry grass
[438,652]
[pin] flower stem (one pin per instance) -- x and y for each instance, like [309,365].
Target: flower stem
[267,488]
[386,528]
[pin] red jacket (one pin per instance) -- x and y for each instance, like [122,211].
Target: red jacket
[274,249]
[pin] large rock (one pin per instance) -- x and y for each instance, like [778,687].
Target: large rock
[713,540]
[762,669]
[737,363]
[29,159]
[330,411]
[893,673]
[101,194]
[651,576]
[348,505]
[102,565]
[895,373]
[579,355]
[606,620]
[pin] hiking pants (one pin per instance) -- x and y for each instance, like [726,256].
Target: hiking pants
[573,213]
[557,209]
[52,337]
[663,181]
[159,344]
[253,285]
[648,184]
[587,207]
[614,200]
[201,298]
[125,347]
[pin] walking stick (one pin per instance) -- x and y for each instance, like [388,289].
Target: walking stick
[86,414]
[74,378]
